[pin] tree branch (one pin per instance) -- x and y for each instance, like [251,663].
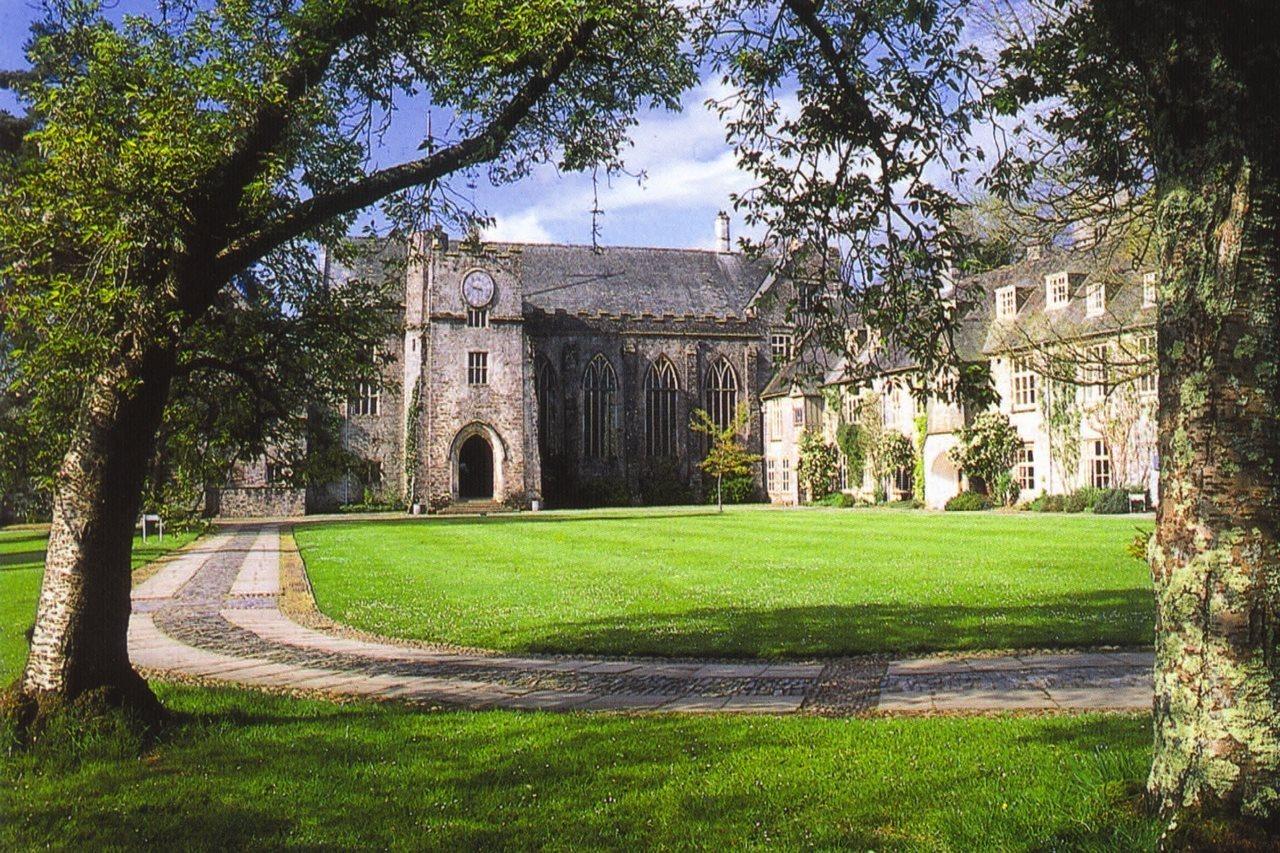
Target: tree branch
[315,50]
[244,373]
[242,252]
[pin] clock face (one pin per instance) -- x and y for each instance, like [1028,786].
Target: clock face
[477,288]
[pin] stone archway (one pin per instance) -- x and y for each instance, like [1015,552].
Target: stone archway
[477,459]
[475,469]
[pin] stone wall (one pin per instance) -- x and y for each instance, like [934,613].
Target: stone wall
[257,501]
[501,410]
[568,343]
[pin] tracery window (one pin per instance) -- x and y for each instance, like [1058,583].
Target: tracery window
[722,393]
[660,386]
[545,391]
[599,408]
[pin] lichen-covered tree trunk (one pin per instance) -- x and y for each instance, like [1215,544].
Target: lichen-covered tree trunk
[1215,556]
[80,641]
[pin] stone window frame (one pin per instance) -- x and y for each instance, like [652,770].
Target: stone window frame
[775,421]
[771,474]
[477,368]
[661,391]
[1007,302]
[545,388]
[786,474]
[1057,290]
[1095,299]
[599,408]
[780,346]
[721,393]
[1150,288]
[1148,382]
[366,400]
[1025,467]
[1097,385]
[477,318]
[1023,384]
[1100,473]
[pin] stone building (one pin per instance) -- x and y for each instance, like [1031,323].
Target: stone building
[1069,338]
[561,374]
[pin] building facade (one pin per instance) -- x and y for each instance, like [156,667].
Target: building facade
[552,374]
[1069,339]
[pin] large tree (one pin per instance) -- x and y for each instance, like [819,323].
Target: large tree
[175,168]
[1168,104]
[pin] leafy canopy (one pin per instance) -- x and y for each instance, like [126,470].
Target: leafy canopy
[163,196]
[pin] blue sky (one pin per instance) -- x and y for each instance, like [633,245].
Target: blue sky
[690,173]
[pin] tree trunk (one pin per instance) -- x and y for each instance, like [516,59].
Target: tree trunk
[1215,557]
[80,641]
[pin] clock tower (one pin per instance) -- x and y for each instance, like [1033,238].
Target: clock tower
[468,362]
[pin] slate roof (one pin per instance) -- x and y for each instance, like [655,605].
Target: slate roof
[980,335]
[623,280]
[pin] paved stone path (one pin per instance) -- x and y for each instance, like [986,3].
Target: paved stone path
[212,613]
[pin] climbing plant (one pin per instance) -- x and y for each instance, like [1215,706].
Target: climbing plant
[818,465]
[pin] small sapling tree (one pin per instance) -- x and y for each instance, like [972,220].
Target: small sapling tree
[726,455]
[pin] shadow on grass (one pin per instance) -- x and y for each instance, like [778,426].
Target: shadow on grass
[1121,617]
[21,560]
[245,770]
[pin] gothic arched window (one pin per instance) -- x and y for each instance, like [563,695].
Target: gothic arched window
[545,391]
[722,393]
[599,408]
[660,388]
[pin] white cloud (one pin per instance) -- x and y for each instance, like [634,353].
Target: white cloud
[525,227]
[689,173]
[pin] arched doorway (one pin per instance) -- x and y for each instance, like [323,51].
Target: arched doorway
[475,469]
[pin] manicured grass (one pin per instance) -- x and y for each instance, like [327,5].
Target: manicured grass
[21,566]
[256,771]
[247,770]
[753,582]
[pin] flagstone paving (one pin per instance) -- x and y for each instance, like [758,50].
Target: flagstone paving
[213,614]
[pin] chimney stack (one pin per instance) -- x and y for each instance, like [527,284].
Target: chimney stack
[722,233]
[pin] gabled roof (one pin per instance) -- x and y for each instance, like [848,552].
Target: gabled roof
[979,335]
[624,280]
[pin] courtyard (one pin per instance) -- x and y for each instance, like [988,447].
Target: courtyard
[291,771]
[755,582]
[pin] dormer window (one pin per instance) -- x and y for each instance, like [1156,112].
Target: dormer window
[1095,304]
[1149,281]
[1007,303]
[1057,290]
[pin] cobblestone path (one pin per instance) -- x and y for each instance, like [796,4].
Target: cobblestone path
[212,614]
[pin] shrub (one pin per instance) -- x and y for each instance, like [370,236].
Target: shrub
[1138,545]
[987,448]
[602,491]
[849,440]
[737,488]
[1005,490]
[1047,503]
[1075,502]
[836,499]
[1112,502]
[662,485]
[818,466]
[968,502]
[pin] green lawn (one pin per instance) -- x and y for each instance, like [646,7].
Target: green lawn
[263,772]
[247,770]
[753,582]
[21,565]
